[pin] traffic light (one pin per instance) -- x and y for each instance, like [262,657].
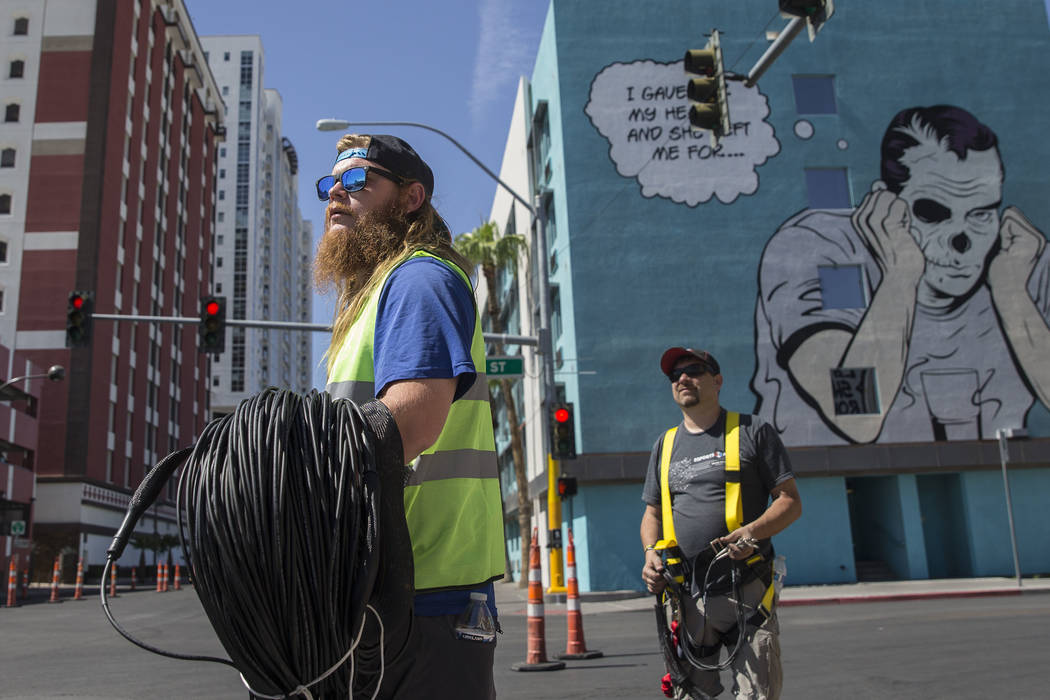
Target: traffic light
[815,12]
[213,324]
[563,432]
[566,486]
[710,108]
[78,319]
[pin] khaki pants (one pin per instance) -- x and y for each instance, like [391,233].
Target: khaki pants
[756,669]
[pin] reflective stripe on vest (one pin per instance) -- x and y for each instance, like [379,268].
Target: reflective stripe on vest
[452,500]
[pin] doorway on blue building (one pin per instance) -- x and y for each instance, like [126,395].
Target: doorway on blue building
[876,526]
[944,526]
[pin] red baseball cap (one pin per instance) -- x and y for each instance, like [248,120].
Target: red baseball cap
[672,355]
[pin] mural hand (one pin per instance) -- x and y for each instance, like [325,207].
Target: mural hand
[1022,244]
[884,224]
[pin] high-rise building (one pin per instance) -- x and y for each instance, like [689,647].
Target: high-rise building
[108,142]
[259,265]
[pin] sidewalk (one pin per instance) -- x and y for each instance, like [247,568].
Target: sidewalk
[512,600]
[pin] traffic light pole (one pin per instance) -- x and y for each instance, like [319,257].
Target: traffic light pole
[292,325]
[786,36]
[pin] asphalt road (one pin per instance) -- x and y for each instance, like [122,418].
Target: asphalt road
[946,648]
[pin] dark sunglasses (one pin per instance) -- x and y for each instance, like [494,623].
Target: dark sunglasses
[353,179]
[693,371]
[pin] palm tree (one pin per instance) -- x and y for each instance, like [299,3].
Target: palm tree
[486,248]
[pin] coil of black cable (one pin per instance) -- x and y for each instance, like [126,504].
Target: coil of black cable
[280,500]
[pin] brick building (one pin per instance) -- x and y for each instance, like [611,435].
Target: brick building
[113,118]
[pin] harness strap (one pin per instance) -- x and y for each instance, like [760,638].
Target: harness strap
[734,503]
[665,491]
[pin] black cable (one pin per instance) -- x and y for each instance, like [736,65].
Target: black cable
[278,507]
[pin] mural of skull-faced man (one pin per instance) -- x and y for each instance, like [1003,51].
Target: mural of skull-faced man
[922,314]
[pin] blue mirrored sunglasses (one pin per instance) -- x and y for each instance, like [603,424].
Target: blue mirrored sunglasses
[353,179]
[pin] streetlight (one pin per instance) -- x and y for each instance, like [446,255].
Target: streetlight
[1002,435]
[545,344]
[55,373]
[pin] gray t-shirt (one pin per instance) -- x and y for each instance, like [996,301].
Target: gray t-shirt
[696,479]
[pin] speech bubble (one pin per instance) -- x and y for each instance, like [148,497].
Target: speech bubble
[642,109]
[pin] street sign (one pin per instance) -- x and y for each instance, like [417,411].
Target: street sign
[18,527]
[505,367]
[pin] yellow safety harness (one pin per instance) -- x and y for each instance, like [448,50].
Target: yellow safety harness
[734,511]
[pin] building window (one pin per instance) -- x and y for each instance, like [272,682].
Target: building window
[842,286]
[814,94]
[222,194]
[18,69]
[5,204]
[854,391]
[827,188]
[226,89]
[226,56]
[7,158]
[11,112]
[1,300]
[21,26]
[3,251]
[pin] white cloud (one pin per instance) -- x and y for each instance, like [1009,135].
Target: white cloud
[506,50]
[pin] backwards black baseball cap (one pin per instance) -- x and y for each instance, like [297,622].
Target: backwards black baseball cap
[392,153]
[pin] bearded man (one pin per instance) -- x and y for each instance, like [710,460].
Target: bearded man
[407,343]
[923,314]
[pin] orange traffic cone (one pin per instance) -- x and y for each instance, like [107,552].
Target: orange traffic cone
[575,648]
[113,582]
[177,586]
[536,655]
[160,580]
[164,588]
[12,584]
[78,592]
[25,581]
[133,580]
[55,572]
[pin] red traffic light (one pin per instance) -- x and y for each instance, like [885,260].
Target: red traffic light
[211,308]
[561,415]
[78,302]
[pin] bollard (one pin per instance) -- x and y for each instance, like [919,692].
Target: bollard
[55,572]
[78,591]
[12,584]
[113,582]
[178,586]
[575,647]
[133,580]
[536,654]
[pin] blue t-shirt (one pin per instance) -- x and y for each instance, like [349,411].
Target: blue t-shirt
[424,329]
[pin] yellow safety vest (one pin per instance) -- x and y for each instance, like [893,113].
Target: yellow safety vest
[734,502]
[452,499]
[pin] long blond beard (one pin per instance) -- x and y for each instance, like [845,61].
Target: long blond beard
[345,260]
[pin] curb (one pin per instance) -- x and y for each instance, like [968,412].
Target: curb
[884,597]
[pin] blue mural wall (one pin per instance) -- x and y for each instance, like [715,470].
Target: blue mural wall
[906,304]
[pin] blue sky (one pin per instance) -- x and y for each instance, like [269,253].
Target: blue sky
[453,65]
